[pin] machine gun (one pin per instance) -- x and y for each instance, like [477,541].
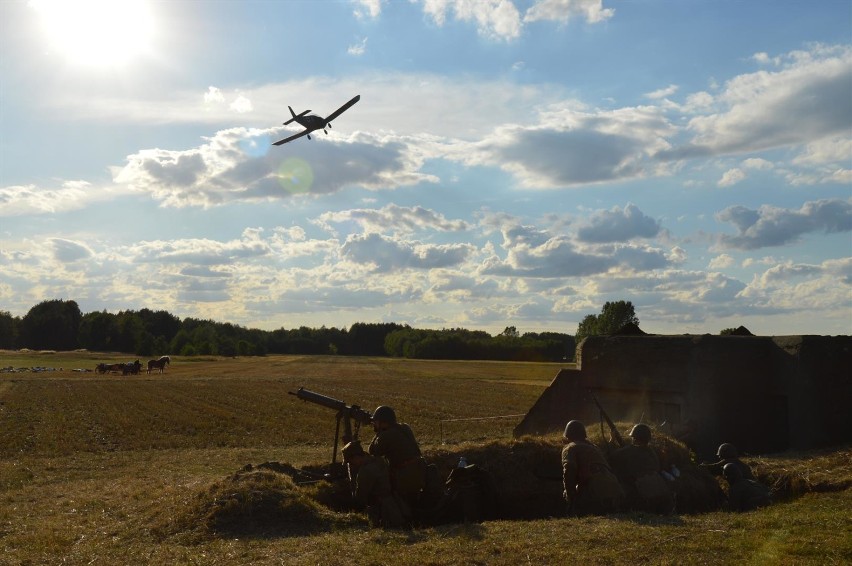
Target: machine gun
[345,413]
[612,428]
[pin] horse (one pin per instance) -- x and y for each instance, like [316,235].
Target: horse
[103,368]
[159,363]
[131,368]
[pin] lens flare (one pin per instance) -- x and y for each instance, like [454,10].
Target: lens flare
[296,175]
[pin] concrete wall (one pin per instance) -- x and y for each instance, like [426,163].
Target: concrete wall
[764,394]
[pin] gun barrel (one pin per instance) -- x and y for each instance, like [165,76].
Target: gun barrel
[319,399]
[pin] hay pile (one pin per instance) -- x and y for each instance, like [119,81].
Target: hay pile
[794,474]
[257,501]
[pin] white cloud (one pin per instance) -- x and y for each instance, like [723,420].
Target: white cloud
[213,95]
[806,100]
[772,226]
[721,261]
[497,19]
[562,10]
[358,48]
[662,93]
[618,225]
[731,177]
[757,164]
[241,105]
[392,219]
[368,8]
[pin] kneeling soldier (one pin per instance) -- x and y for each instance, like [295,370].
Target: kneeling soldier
[590,487]
[371,489]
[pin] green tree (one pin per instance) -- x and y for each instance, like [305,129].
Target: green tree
[613,316]
[97,330]
[51,325]
[8,330]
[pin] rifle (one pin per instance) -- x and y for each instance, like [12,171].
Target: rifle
[612,428]
[345,413]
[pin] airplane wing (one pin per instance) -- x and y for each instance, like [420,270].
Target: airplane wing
[291,138]
[342,109]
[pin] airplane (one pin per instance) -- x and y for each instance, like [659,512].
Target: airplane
[313,122]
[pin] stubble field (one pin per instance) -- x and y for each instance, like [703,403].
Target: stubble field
[92,466]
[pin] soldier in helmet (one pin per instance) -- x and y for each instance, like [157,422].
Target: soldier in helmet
[727,454]
[744,494]
[637,467]
[371,489]
[395,443]
[590,487]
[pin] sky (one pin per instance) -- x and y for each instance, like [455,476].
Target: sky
[509,163]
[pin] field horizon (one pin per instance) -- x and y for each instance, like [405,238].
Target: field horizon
[100,468]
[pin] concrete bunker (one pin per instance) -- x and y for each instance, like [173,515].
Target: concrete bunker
[764,394]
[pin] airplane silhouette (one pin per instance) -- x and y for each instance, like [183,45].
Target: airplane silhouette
[313,122]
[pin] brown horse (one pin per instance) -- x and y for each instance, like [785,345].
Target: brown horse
[131,368]
[160,363]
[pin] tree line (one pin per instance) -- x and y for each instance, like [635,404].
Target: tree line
[60,325]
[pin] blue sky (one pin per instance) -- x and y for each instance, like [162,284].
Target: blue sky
[509,162]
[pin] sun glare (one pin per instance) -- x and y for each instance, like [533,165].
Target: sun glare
[97,33]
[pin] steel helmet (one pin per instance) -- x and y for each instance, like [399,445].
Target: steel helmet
[641,432]
[726,451]
[352,450]
[575,430]
[385,414]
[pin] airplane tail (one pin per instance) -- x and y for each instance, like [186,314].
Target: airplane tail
[292,114]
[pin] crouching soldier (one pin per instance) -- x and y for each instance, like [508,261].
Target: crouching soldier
[590,487]
[395,443]
[371,489]
[744,494]
[637,466]
[727,454]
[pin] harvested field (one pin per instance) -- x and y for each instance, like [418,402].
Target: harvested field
[153,469]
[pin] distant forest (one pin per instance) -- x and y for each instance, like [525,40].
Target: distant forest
[60,325]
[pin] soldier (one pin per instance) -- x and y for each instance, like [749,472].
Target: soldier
[371,488]
[727,454]
[590,487]
[637,467]
[395,442]
[744,494]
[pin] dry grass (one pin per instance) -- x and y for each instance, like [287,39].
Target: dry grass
[150,469]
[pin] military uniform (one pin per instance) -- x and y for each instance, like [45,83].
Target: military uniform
[638,469]
[398,446]
[590,486]
[747,495]
[371,489]
[715,468]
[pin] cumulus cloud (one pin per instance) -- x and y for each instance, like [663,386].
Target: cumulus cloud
[562,10]
[394,219]
[497,19]
[19,200]
[389,254]
[805,100]
[772,226]
[222,170]
[578,147]
[69,251]
[662,93]
[731,177]
[241,105]
[618,225]
[721,261]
